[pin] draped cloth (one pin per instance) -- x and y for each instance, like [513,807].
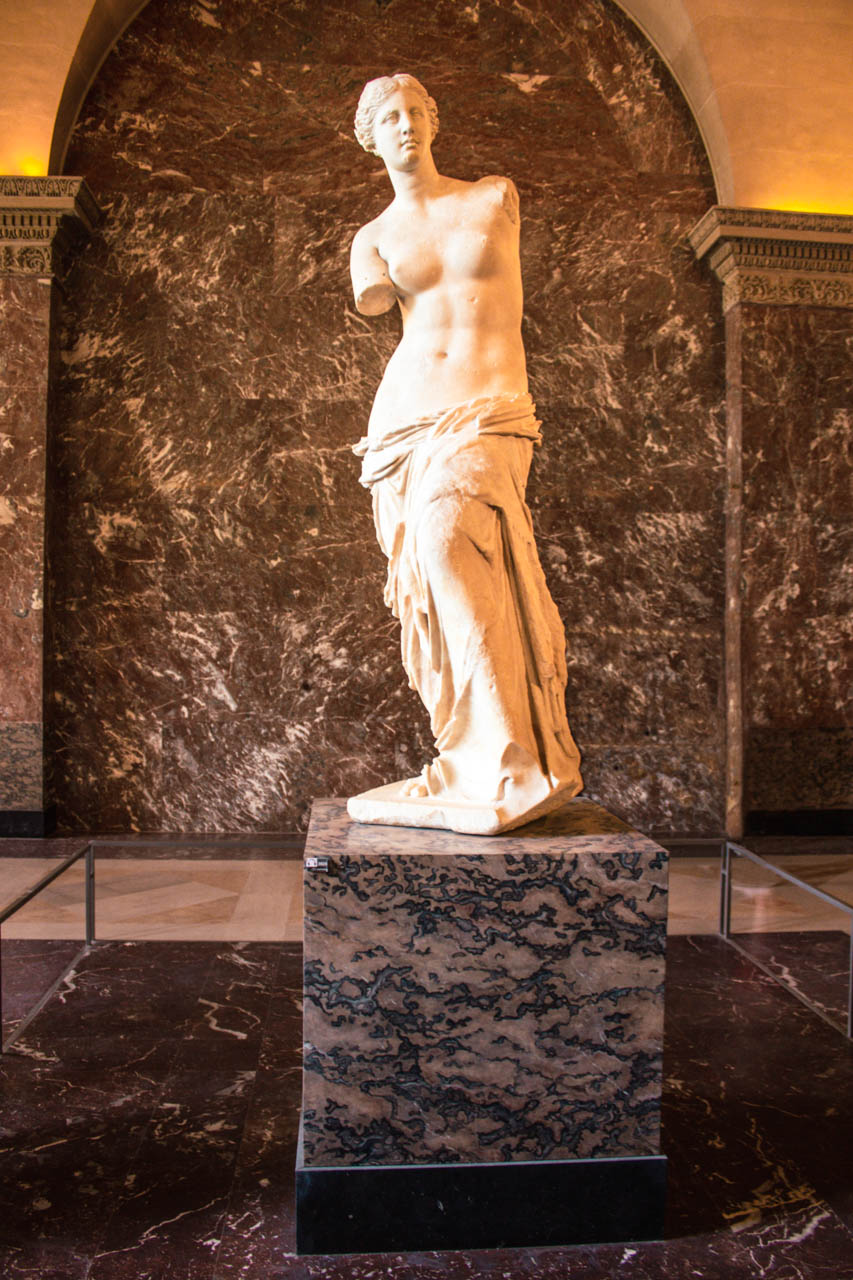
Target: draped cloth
[482,642]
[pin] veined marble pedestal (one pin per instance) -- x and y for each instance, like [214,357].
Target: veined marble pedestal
[483,1028]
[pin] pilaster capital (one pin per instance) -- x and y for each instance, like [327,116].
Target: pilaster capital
[40,221]
[779,257]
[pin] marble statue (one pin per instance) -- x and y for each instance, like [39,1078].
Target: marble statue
[446,457]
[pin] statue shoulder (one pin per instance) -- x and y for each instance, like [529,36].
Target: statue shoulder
[505,192]
[367,237]
[371,283]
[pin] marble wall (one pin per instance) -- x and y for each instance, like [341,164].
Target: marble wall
[25,326]
[220,653]
[797,557]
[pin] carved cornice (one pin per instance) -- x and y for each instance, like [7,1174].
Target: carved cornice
[773,256]
[41,219]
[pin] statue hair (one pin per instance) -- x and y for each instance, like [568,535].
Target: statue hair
[374,94]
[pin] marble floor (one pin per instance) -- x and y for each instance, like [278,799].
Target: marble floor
[148,1113]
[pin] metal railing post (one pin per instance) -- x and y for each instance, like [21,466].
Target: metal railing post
[726,890]
[850,988]
[90,894]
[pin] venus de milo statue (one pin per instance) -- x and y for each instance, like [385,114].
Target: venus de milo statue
[446,457]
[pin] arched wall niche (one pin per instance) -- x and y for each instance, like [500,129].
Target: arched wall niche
[219,652]
[665,23]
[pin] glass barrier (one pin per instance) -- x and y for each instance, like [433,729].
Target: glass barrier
[44,926]
[792,915]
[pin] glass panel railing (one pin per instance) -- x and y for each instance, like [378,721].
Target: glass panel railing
[792,915]
[43,930]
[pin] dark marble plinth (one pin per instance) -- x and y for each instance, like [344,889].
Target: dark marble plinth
[483,1018]
[408,1208]
[27,823]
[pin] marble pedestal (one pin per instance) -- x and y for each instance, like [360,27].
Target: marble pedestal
[483,1026]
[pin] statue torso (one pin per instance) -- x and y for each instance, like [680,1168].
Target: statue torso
[454,264]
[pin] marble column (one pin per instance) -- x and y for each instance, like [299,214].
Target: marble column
[40,221]
[788,301]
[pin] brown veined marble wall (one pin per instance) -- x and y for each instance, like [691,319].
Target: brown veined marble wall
[25,326]
[797,557]
[220,650]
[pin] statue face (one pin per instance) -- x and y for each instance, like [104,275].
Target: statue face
[401,130]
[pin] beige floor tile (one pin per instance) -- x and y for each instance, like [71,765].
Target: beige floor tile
[17,875]
[177,899]
[694,895]
[766,903]
[58,911]
[244,900]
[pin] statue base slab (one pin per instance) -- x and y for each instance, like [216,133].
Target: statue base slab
[483,1028]
[389,806]
[537,1204]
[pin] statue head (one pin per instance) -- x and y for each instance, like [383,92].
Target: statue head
[374,94]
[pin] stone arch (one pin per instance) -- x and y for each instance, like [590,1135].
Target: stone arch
[666,25]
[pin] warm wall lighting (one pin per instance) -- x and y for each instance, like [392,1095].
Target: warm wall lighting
[808,191]
[30,166]
[805,205]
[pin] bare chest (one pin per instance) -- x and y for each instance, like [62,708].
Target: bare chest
[456,241]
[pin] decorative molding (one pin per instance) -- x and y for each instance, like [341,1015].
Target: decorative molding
[41,219]
[778,257]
